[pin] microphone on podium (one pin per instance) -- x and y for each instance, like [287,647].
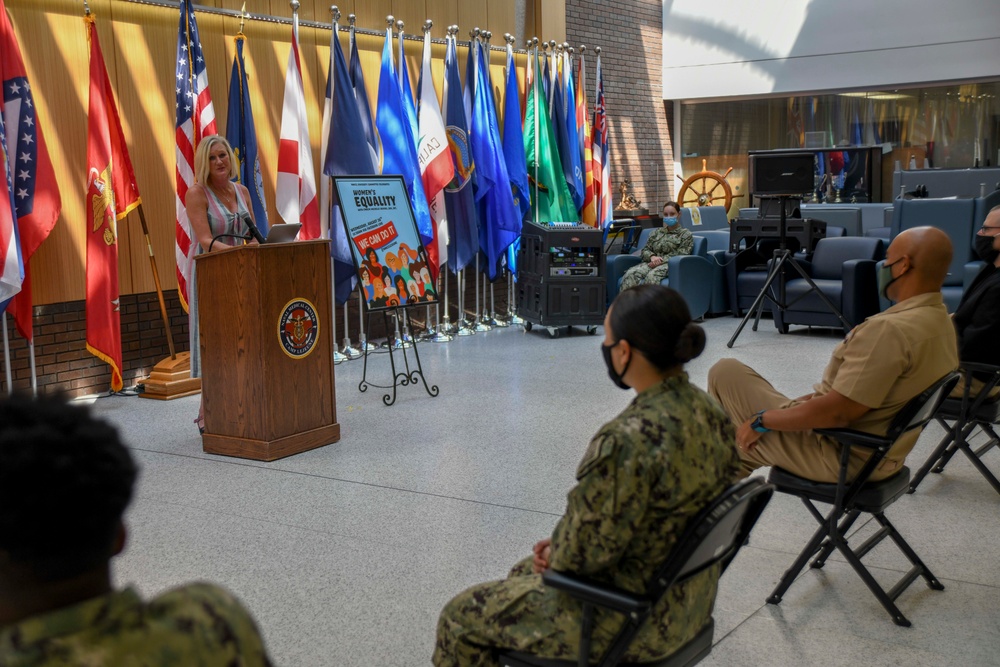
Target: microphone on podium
[254,232]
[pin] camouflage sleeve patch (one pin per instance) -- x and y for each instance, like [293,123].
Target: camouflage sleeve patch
[601,447]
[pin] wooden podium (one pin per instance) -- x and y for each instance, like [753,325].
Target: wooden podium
[267,349]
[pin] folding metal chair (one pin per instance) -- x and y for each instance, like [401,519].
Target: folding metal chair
[960,418]
[715,535]
[852,497]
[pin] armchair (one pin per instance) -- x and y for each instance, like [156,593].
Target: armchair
[844,270]
[690,275]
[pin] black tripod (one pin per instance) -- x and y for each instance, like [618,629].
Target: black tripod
[782,255]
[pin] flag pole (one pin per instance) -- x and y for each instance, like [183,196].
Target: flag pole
[31,361]
[6,353]
[350,351]
[338,356]
[474,34]
[489,318]
[463,325]
[534,91]
[156,282]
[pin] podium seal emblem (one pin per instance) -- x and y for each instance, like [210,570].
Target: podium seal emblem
[298,328]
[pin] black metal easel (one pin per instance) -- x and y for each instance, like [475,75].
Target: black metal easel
[399,379]
[782,255]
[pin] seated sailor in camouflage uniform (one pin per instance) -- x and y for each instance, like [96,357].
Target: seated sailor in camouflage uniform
[65,480]
[663,243]
[644,476]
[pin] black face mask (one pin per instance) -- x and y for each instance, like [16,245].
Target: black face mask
[615,376]
[984,248]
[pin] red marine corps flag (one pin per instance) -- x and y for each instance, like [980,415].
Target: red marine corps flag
[111,194]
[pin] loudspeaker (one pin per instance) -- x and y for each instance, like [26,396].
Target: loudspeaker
[784,174]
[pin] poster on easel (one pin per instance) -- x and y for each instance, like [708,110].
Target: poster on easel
[390,259]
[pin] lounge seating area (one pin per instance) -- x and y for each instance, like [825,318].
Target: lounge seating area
[738,277]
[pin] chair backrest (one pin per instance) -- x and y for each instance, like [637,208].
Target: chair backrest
[952,216]
[715,535]
[983,206]
[643,238]
[831,253]
[712,217]
[921,408]
[846,217]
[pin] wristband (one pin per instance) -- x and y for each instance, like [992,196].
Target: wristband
[758,423]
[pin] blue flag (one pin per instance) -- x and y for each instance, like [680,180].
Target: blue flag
[364,109]
[513,140]
[398,145]
[577,187]
[500,221]
[347,154]
[406,90]
[566,149]
[459,200]
[242,136]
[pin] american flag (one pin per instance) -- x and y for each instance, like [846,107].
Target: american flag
[602,161]
[35,192]
[195,119]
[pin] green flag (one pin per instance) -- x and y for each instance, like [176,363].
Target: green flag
[547,184]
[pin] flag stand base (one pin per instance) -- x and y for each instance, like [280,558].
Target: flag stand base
[171,378]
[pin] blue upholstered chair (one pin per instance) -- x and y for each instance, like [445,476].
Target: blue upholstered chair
[844,270]
[690,275]
[983,206]
[956,218]
[718,246]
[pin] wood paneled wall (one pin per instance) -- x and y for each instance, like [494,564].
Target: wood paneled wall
[139,44]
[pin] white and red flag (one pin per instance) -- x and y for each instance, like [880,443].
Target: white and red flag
[436,168]
[295,192]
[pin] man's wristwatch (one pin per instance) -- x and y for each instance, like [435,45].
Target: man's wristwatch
[758,423]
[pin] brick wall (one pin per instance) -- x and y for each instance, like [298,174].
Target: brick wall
[63,363]
[630,37]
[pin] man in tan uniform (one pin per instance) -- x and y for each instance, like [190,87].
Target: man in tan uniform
[881,364]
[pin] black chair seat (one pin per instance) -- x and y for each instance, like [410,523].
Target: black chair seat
[952,409]
[873,496]
[690,654]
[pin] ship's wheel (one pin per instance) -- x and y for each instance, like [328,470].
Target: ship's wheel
[706,188]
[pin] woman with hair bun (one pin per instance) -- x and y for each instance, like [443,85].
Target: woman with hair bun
[646,473]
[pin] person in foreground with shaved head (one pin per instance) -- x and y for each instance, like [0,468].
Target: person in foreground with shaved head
[882,363]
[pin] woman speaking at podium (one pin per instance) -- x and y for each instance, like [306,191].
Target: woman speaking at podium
[216,208]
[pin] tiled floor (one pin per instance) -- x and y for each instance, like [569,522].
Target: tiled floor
[346,554]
